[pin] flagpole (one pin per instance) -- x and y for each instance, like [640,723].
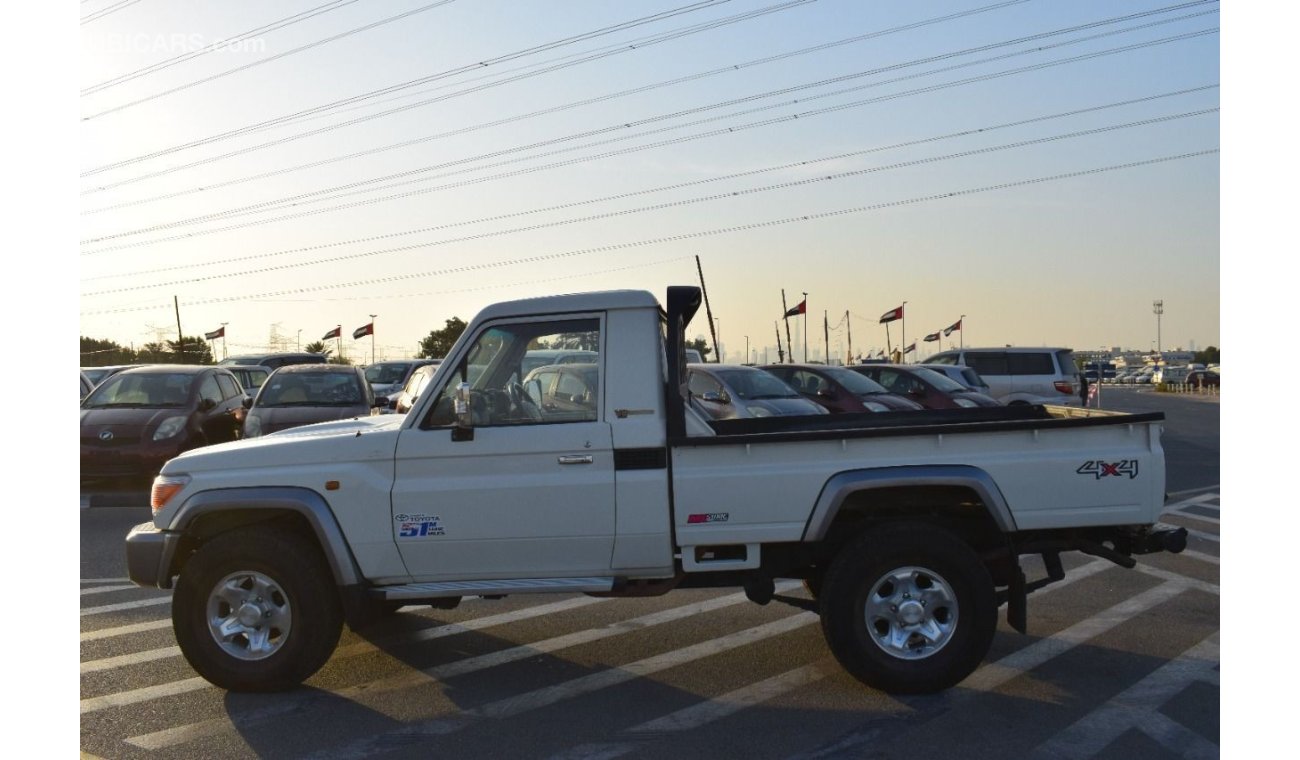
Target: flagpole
[962,338]
[826,334]
[785,314]
[805,328]
[903,319]
[372,338]
[780,355]
[223,340]
[848,325]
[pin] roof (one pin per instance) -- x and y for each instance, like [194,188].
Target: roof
[604,300]
[336,368]
[174,369]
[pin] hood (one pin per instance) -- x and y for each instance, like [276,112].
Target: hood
[276,418]
[780,407]
[980,399]
[895,402]
[127,422]
[356,439]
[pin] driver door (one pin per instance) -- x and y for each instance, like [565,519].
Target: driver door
[531,493]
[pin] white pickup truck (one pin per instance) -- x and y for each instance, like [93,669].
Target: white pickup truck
[601,478]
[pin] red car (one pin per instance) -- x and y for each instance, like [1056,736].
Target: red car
[137,419]
[925,386]
[840,390]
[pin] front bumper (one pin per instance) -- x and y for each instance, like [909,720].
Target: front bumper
[149,553]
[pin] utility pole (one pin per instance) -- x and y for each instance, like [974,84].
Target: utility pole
[297,343]
[805,328]
[848,324]
[717,347]
[788,343]
[180,335]
[708,311]
[1158,308]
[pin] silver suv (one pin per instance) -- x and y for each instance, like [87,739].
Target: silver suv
[1022,375]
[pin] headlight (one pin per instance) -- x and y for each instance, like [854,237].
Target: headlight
[252,426]
[875,407]
[966,403]
[759,411]
[169,428]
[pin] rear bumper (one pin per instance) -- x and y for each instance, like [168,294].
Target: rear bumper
[149,553]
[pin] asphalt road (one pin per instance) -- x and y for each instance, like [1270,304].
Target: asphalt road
[1117,663]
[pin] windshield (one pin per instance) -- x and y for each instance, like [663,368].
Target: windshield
[151,390]
[754,384]
[387,374]
[857,384]
[311,389]
[940,381]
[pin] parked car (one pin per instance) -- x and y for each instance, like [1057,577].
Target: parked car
[274,360]
[250,377]
[1170,375]
[540,357]
[1202,378]
[840,390]
[730,391]
[387,379]
[137,419]
[693,357]
[565,392]
[1022,375]
[301,394]
[926,387]
[98,375]
[402,402]
[967,376]
[86,386]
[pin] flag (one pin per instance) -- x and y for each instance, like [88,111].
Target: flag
[932,337]
[910,348]
[363,331]
[218,333]
[802,308]
[891,315]
[336,332]
[950,328]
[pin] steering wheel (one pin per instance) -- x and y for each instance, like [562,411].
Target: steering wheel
[521,401]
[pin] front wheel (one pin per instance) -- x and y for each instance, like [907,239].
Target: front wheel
[908,608]
[256,610]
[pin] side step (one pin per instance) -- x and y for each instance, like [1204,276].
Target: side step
[495,588]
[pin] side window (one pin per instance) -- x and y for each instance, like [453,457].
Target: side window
[702,384]
[988,363]
[1029,363]
[805,381]
[229,388]
[210,389]
[942,359]
[498,368]
[893,381]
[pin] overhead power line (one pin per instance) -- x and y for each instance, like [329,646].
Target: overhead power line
[276,57]
[686,235]
[243,271]
[552,45]
[218,45]
[277,204]
[107,10]
[498,122]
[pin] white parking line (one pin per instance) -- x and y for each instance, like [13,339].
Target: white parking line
[107,589]
[125,606]
[1203,535]
[126,630]
[294,703]
[1200,556]
[1172,577]
[549,695]
[732,702]
[1138,707]
[105,580]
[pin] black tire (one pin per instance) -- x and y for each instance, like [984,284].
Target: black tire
[300,595]
[953,594]
[813,583]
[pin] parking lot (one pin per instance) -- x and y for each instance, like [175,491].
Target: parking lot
[1117,663]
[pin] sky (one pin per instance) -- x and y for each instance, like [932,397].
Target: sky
[1047,169]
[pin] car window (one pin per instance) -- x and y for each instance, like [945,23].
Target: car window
[386,373]
[229,388]
[806,382]
[209,389]
[855,382]
[752,384]
[944,383]
[701,383]
[1028,363]
[498,364]
[988,362]
[944,359]
[142,390]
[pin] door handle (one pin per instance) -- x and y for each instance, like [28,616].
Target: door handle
[576,459]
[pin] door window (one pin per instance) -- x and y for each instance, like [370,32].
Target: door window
[503,361]
[210,390]
[1035,363]
[988,363]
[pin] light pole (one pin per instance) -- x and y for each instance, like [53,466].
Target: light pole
[297,342]
[717,331]
[747,349]
[1158,308]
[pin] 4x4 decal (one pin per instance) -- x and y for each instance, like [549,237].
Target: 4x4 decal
[1099,469]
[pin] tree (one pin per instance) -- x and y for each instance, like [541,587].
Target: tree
[1208,356]
[318,347]
[104,353]
[701,345]
[195,351]
[439,342]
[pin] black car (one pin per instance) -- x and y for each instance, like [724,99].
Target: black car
[137,419]
[925,386]
[274,360]
[301,394]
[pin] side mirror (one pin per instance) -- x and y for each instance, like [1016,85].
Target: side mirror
[207,405]
[712,396]
[826,392]
[464,413]
[248,402]
[380,401]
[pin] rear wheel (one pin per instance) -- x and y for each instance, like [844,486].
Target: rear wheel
[908,608]
[256,610]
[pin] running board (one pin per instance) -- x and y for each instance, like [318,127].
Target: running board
[496,588]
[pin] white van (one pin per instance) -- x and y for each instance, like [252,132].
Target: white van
[1022,375]
[1170,375]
